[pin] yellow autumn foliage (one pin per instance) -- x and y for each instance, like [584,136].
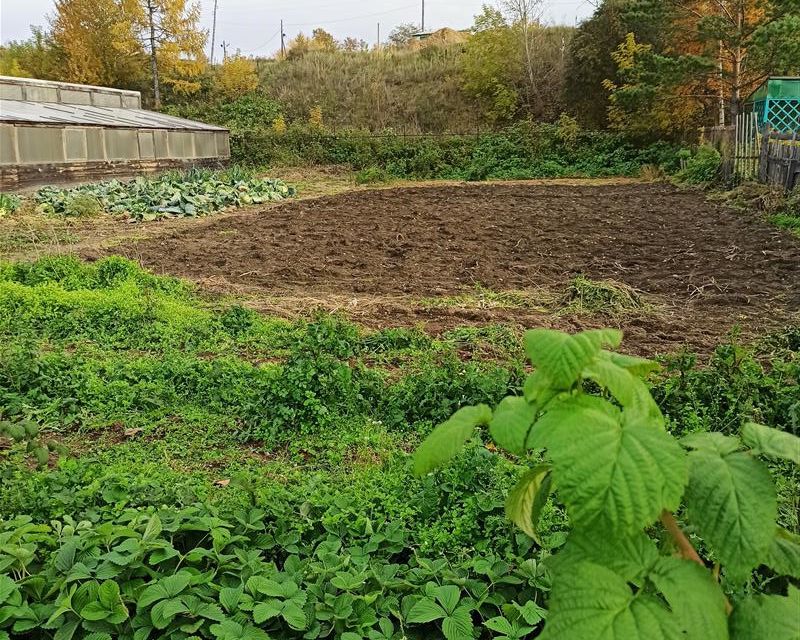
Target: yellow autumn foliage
[235,76]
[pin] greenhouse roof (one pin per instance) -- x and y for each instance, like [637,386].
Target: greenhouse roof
[26,112]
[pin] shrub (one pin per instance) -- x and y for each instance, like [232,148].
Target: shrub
[628,565]
[522,151]
[701,168]
[372,175]
[9,203]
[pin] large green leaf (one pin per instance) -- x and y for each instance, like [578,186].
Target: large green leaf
[694,596]
[7,587]
[108,593]
[767,617]
[511,423]
[525,501]
[637,366]
[630,557]
[458,625]
[425,610]
[772,443]
[612,471]
[784,553]
[164,611]
[562,357]
[712,442]
[294,615]
[448,596]
[165,588]
[592,602]
[630,391]
[731,501]
[449,437]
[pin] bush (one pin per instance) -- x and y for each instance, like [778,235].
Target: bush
[523,151]
[700,168]
[372,175]
[247,113]
[9,203]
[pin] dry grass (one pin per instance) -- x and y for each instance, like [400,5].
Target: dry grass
[607,297]
[398,89]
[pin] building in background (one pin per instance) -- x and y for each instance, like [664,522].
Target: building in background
[776,104]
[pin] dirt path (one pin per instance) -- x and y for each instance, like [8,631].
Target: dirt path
[374,253]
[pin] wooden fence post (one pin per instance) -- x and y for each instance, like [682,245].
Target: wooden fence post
[792,162]
[763,165]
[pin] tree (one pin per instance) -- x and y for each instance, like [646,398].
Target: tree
[589,57]
[750,39]
[321,40]
[524,14]
[170,33]
[36,57]
[351,44]
[401,35]
[235,76]
[98,42]
[657,96]
[707,58]
[514,67]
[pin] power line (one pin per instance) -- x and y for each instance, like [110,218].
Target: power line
[366,15]
[264,44]
[319,24]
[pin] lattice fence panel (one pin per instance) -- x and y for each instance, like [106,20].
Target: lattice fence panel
[784,115]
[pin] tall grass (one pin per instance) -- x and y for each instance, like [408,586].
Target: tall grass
[415,91]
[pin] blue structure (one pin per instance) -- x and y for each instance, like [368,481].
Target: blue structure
[776,104]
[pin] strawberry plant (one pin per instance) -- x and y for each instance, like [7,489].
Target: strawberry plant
[629,569]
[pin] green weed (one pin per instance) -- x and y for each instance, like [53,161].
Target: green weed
[282,446]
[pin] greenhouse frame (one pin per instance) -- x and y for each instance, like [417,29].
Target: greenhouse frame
[62,132]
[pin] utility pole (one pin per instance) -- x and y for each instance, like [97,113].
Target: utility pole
[224,46]
[283,43]
[213,32]
[423,16]
[378,45]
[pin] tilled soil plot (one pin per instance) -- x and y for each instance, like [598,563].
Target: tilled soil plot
[708,267]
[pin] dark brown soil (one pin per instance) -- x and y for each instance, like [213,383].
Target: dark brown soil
[710,267]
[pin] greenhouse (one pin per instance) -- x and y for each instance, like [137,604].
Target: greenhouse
[61,132]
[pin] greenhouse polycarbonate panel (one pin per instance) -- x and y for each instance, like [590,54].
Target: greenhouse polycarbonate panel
[68,114]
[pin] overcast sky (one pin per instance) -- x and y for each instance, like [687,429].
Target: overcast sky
[254,27]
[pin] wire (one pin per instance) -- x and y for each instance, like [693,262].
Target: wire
[263,44]
[368,15]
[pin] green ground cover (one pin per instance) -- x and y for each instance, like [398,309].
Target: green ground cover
[231,475]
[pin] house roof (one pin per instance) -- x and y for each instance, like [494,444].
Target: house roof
[53,113]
